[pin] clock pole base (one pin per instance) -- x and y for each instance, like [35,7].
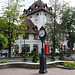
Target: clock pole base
[43,71]
[43,64]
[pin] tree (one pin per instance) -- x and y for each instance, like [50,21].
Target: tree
[3,42]
[68,23]
[52,25]
[12,22]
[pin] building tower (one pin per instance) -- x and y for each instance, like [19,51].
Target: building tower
[37,13]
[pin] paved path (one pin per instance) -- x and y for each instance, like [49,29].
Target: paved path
[23,71]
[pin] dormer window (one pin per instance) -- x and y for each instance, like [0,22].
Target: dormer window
[30,9]
[26,28]
[25,11]
[35,28]
[45,6]
[37,7]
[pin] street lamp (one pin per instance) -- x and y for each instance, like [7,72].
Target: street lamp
[42,35]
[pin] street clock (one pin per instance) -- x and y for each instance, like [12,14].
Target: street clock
[42,33]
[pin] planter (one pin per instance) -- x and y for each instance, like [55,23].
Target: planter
[66,65]
[63,67]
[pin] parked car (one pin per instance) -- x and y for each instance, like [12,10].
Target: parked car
[4,51]
[7,50]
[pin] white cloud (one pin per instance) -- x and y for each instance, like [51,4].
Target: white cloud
[27,3]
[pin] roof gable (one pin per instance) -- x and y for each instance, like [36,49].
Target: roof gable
[31,27]
[35,7]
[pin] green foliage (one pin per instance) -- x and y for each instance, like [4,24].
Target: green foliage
[69,64]
[52,54]
[24,54]
[3,62]
[16,47]
[68,22]
[61,55]
[3,42]
[11,22]
[35,55]
[52,26]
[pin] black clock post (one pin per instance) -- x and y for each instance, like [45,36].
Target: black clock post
[42,35]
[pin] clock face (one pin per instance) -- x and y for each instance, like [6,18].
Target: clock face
[41,33]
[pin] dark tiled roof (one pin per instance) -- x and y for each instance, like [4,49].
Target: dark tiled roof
[31,28]
[35,7]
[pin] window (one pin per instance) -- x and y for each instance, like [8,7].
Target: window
[27,46]
[45,7]
[37,14]
[25,12]
[35,37]
[30,9]
[26,28]
[36,7]
[35,46]
[26,36]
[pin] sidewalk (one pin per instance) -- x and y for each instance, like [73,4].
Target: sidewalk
[23,71]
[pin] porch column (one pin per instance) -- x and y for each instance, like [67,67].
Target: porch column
[31,47]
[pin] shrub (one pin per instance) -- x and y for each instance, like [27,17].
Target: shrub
[25,54]
[52,54]
[3,62]
[69,64]
[35,55]
[3,42]
[61,55]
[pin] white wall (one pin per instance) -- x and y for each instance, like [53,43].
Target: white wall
[29,41]
[38,20]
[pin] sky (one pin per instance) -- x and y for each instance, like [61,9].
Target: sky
[27,3]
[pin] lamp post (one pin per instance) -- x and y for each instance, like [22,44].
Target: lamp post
[42,35]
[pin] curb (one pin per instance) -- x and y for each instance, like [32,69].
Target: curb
[64,67]
[28,65]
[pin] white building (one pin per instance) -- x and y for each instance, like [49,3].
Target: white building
[36,17]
